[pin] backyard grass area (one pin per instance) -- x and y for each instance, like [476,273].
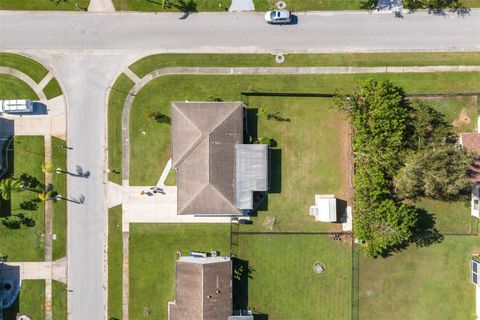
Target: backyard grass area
[27,242]
[148,64]
[310,5]
[410,284]
[59,208]
[52,89]
[115,263]
[116,100]
[150,141]
[152,255]
[12,88]
[310,157]
[26,65]
[449,217]
[460,112]
[31,301]
[282,283]
[43,5]
[59,300]
[193,5]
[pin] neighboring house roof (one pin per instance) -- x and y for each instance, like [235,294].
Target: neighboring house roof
[471,143]
[203,289]
[251,166]
[204,135]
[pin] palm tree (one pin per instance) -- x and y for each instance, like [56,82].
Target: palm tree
[9,186]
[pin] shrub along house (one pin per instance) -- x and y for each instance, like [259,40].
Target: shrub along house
[216,173]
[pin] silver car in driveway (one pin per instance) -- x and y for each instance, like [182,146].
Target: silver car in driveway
[278,17]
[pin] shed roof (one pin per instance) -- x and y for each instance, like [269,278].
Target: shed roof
[204,135]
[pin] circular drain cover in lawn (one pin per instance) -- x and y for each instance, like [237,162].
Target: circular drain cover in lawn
[319,267]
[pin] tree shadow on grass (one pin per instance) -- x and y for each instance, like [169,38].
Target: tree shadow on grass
[425,233]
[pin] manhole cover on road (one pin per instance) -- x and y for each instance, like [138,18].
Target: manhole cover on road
[280,5]
[280,58]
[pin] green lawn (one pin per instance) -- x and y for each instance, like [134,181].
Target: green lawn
[449,217]
[154,62]
[152,250]
[116,100]
[420,283]
[12,88]
[31,301]
[145,5]
[115,263]
[282,283]
[59,300]
[43,4]
[471,3]
[26,65]
[25,243]
[59,208]
[150,141]
[310,157]
[52,89]
[171,178]
[310,5]
[460,112]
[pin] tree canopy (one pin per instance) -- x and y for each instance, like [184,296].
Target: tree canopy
[402,150]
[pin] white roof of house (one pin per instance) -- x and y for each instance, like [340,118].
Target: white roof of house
[326,208]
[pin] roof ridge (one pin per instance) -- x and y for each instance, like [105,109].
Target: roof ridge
[225,118]
[192,198]
[221,194]
[194,145]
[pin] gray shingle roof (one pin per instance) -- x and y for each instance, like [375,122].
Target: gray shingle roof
[203,290]
[204,135]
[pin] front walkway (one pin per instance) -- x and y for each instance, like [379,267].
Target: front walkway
[101,6]
[56,270]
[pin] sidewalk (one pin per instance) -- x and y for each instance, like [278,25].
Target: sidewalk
[101,6]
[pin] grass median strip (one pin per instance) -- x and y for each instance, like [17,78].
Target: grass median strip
[44,5]
[116,101]
[59,300]
[59,207]
[26,65]
[148,64]
[115,263]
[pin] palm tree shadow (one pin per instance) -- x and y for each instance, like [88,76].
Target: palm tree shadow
[186,7]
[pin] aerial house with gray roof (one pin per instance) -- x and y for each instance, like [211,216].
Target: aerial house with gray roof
[216,173]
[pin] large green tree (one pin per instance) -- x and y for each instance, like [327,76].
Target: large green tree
[437,172]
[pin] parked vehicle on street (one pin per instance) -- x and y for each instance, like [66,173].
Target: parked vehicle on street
[278,17]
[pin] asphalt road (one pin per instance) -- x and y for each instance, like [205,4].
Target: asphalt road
[324,32]
[86,51]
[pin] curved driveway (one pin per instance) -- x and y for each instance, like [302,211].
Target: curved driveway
[87,51]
